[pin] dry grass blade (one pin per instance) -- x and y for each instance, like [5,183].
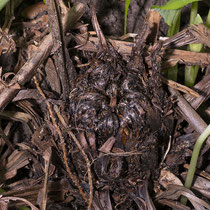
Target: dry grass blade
[15,161]
[172,57]
[107,146]
[74,178]
[203,87]
[16,116]
[58,37]
[173,204]
[27,71]
[83,153]
[72,17]
[180,39]
[174,191]
[201,173]
[29,68]
[180,87]
[58,191]
[7,199]
[97,28]
[6,140]
[47,158]
[189,113]
[202,33]
[29,108]
[166,178]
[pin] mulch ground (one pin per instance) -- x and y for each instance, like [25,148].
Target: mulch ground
[88,118]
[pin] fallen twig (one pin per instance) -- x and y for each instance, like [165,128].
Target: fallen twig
[6,199]
[83,153]
[202,33]
[63,61]
[122,154]
[179,87]
[47,159]
[190,115]
[170,58]
[29,68]
[203,87]
[62,142]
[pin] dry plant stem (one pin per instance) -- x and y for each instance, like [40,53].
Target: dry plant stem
[171,57]
[83,153]
[204,88]
[6,199]
[62,142]
[102,40]
[9,16]
[6,140]
[182,38]
[190,115]
[29,68]
[167,151]
[58,37]
[47,159]
[122,154]
[180,87]
[27,71]
[173,204]
[70,19]
[202,33]
[90,201]
[199,172]
[153,18]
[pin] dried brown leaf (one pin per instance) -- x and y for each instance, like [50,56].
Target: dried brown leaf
[107,146]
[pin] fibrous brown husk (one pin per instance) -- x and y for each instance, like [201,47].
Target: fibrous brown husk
[124,100]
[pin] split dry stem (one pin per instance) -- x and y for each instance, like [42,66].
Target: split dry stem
[62,142]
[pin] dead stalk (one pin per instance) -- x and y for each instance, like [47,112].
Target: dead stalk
[47,159]
[83,153]
[62,142]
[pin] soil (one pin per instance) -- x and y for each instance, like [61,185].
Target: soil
[111,15]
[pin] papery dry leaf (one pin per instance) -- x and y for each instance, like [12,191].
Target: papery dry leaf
[175,191]
[167,178]
[107,146]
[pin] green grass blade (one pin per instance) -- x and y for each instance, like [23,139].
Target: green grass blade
[168,15]
[174,4]
[2,190]
[193,12]
[172,18]
[175,22]
[173,29]
[194,159]
[191,72]
[24,208]
[208,20]
[3,3]
[127,4]
[172,73]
